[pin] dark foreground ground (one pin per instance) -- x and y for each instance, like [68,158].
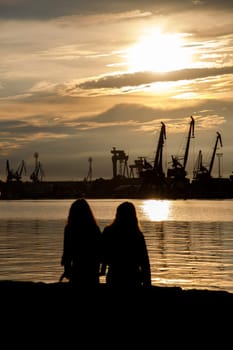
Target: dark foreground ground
[109,318]
[14,291]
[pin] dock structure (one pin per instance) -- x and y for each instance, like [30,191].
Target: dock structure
[119,157]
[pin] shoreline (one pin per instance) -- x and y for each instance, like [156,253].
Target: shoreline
[153,293]
[118,188]
[156,314]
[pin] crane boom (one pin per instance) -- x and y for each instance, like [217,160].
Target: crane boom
[190,134]
[218,140]
[152,173]
[158,162]
[178,168]
[15,174]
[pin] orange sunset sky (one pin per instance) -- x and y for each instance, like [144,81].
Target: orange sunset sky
[81,77]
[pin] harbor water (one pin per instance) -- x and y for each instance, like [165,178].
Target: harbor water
[190,242]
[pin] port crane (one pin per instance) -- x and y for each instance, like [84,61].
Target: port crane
[199,170]
[158,161]
[156,170]
[202,172]
[152,175]
[38,173]
[178,170]
[89,175]
[138,166]
[15,174]
[122,158]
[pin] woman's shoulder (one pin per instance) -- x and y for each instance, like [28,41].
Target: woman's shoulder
[107,229]
[97,230]
[67,227]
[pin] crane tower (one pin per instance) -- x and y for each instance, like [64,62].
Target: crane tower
[38,172]
[122,158]
[89,175]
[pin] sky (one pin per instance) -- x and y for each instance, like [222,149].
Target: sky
[78,78]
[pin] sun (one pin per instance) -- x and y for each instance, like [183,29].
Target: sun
[156,210]
[161,52]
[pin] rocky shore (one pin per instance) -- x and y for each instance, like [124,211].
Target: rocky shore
[49,313]
[15,292]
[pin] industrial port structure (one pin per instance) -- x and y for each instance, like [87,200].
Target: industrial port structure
[142,179]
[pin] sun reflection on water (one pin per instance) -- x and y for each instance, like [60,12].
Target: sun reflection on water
[156,210]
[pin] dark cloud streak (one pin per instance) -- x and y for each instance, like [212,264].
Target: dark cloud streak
[43,9]
[122,126]
[141,78]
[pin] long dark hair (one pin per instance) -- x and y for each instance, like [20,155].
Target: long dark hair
[80,214]
[126,216]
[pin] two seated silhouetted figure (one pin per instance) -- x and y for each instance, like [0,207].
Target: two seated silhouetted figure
[119,252]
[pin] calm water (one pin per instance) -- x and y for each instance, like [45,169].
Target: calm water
[190,242]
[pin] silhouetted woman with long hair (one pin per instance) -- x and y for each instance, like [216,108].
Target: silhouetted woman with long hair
[81,246]
[124,251]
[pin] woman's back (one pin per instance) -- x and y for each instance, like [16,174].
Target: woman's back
[125,251]
[81,245]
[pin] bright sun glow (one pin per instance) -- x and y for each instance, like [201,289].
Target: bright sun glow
[156,210]
[159,52]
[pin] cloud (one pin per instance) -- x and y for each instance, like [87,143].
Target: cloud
[43,9]
[61,94]
[65,145]
[141,78]
[125,115]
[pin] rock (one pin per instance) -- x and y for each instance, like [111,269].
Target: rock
[49,313]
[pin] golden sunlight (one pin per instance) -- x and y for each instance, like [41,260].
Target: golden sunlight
[159,52]
[156,210]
